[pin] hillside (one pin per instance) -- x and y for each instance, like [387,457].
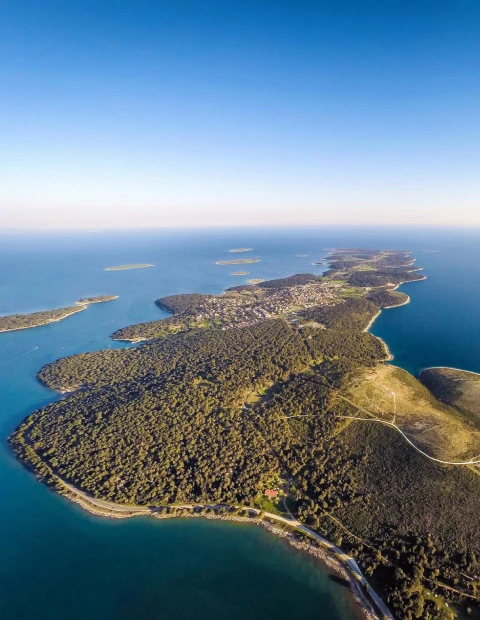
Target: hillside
[391,394]
[457,388]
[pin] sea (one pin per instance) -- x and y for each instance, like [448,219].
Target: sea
[58,561]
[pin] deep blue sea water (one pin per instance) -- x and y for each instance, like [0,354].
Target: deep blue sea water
[56,561]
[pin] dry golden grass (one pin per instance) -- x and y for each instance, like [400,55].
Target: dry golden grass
[439,429]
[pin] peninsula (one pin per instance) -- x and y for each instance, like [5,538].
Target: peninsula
[123,267]
[14,322]
[275,398]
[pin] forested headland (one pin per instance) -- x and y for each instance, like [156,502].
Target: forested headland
[173,420]
[14,322]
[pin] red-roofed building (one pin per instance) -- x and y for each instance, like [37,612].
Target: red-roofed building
[271,493]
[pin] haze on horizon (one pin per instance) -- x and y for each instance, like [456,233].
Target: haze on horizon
[199,113]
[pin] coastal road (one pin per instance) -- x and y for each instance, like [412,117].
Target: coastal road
[345,559]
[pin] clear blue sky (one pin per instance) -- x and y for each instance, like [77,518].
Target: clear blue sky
[158,113]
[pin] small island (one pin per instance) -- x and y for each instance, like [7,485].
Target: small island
[237,250]
[123,267]
[14,322]
[240,273]
[239,261]
[301,255]
[85,301]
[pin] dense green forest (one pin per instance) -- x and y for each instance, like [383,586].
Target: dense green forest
[190,302]
[164,422]
[171,421]
[381,277]
[352,314]
[34,319]
[44,317]
[385,298]
[298,279]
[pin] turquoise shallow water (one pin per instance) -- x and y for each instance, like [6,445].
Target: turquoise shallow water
[57,561]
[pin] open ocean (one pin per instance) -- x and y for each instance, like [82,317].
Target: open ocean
[57,561]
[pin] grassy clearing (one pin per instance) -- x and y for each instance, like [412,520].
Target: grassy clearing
[439,429]
[267,505]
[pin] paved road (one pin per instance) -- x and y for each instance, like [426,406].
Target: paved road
[291,522]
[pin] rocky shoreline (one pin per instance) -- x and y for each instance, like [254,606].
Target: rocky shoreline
[286,533]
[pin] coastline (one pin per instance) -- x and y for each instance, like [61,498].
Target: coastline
[78,306]
[333,558]
[409,282]
[367,601]
[388,354]
[407,301]
[470,372]
[372,321]
[17,329]
[159,513]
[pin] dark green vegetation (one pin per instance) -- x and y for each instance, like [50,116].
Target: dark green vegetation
[353,314]
[168,422]
[457,388]
[240,305]
[360,268]
[35,319]
[381,277]
[190,303]
[296,280]
[349,345]
[385,298]
[96,300]
[164,422]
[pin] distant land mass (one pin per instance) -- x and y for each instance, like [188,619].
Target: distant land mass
[240,273]
[273,402]
[241,250]
[123,267]
[15,322]
[238,261]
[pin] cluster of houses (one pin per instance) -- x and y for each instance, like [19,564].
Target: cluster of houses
[242,310]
